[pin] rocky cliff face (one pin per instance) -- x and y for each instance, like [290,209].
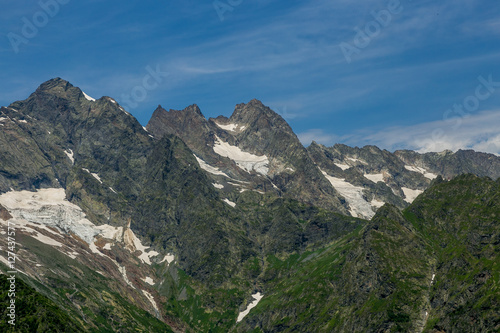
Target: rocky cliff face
[254,149]
[184,225]
[396,178]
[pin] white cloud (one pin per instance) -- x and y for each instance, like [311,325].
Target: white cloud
[479,132]
[317,135]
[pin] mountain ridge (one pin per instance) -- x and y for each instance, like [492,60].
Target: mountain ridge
[189,218]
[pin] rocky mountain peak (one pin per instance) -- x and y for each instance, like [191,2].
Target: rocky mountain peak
[55,82]
[59,88]
[255,114]
[187,124]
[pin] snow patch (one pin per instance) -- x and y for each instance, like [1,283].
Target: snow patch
[229,202]
[342,166]
[96,176]
[72,255]
[88,97]
[354,196]
[426,174]
[209,168]
[375,177]
[5,261]
[46,240]
[23,121]
[151,300]
[410,194]
[169,258]
[376,203]
[228,127]
[70,154]
[231,127]
[134,244]
[148,280]
[244,160]
[110,232]
[356,160]
[95,250]
[3,118]
[123,271]
[219,186]
[257,297]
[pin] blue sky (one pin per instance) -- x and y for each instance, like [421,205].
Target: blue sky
[396,88]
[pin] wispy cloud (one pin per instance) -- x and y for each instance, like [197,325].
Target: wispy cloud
[317,135]
[479,132]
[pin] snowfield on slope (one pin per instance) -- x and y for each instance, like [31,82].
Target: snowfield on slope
[246,161]
[231,127]
[210,169]
[49,208]
[410,194]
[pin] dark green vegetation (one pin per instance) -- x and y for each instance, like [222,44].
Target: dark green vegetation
[33,311]
[94,302]
[286,236]
[379,278]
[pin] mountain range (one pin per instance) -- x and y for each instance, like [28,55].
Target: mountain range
[230,224]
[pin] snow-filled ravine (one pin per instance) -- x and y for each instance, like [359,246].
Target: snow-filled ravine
[208,168]
[354,196]
[257,297]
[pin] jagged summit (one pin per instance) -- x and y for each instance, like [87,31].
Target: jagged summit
[57,81]
[256,114]
[185,225]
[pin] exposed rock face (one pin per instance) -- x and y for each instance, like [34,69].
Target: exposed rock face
[449,164]
[178,227]
[4,214]
[255,148]
[397,178]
